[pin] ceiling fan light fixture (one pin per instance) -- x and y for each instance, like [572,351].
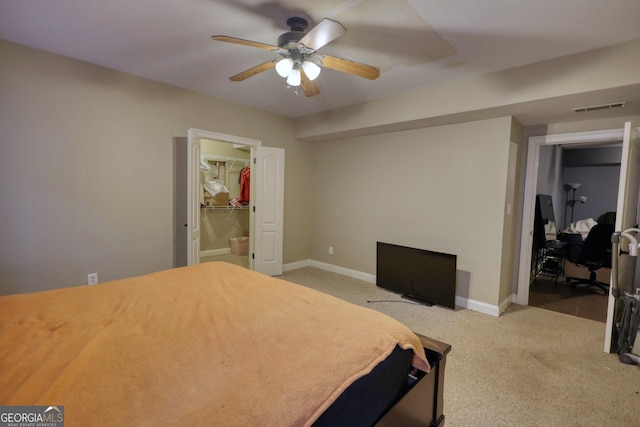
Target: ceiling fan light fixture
[299,54]
[284,67]
[311,70]
[294,78]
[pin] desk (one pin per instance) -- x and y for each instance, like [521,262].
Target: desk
[550,259]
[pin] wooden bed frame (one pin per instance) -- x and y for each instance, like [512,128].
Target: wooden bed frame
[422,404]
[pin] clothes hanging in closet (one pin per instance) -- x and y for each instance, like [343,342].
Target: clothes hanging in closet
[245,184]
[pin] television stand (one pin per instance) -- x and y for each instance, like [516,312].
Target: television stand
[418,301]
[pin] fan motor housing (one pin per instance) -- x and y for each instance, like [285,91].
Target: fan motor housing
[290,39]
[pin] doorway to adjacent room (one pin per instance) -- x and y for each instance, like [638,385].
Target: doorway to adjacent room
[626,209]
[574,193]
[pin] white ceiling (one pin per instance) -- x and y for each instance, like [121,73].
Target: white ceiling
[414,42]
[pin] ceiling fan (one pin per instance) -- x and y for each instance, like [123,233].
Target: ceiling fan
[301,62]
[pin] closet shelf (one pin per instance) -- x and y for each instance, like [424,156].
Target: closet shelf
[224,208]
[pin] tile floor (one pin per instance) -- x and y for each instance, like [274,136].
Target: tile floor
[580,301]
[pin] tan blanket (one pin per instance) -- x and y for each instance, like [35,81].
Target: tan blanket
[211,344]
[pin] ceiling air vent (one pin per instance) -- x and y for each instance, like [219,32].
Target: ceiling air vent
[599,107]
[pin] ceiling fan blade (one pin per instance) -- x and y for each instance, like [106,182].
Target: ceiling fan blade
[310,87]
[253,71]
[322,34]
[350,67]
[244,42]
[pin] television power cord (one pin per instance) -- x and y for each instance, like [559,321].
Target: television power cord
[392,300]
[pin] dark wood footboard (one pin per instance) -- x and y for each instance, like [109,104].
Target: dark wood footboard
[422,404]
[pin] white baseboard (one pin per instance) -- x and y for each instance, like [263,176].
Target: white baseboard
[215,252]
[295,265]
[479,306]
[370,278]
[462,302]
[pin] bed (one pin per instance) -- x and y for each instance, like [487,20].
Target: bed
[215,344]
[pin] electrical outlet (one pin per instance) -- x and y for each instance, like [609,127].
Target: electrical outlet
[330,250]
[92,279]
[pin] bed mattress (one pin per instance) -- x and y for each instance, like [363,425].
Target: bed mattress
[212,344]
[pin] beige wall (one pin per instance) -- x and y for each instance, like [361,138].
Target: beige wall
[495,93]
[592,125]
[86,176]
[223,149]
[86,169]
[219,225]
[440,188]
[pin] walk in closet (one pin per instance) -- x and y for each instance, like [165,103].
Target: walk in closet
[225,187]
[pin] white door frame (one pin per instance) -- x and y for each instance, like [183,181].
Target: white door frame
[193,212]
[530,187]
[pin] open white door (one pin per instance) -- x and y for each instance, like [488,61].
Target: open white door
[193,198]
[626,212]
[268,175]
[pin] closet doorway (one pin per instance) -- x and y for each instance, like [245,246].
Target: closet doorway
[225,180]
[265,207]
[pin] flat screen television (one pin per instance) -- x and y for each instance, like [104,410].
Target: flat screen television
[424,276]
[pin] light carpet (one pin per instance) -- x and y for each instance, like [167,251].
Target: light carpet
[241,260]
[528,367]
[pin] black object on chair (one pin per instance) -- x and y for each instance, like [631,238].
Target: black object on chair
[594,254]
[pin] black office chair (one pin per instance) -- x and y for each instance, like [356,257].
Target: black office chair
[594,254]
